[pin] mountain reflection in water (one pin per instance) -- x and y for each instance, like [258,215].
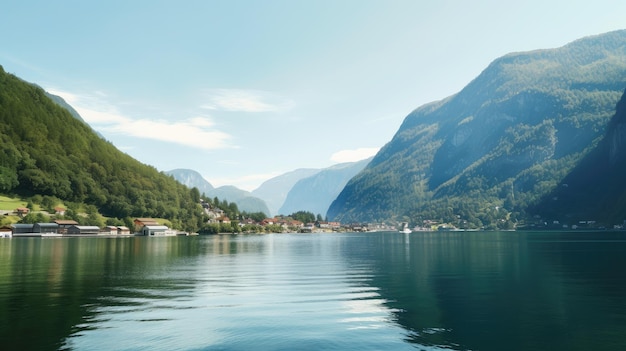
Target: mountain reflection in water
[366,291]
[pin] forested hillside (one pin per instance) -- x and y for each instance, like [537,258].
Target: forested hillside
[595,190]
[46,151]
[480,158]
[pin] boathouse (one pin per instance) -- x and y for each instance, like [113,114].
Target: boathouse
[45,228]
[64,224]
[155,230]
[83,230]
[22,228]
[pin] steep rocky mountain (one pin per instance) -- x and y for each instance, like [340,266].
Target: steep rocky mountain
[595,190]
[483,156]
[244,199]
[274,191]
[315,193]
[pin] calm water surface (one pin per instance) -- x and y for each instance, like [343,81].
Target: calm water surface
[374,291]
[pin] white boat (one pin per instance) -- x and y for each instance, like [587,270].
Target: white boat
[405,228]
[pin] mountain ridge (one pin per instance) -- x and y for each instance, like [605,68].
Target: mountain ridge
[315,193]
[274,190]
[244,200]
[503,141]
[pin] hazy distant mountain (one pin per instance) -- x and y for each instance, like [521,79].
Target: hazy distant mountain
[274,191]
[61,102]
[190,179]
[484,155]
[317,192]
[245,200]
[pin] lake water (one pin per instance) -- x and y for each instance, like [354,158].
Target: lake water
[370,291]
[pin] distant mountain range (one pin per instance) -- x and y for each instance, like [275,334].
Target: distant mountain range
[244,200]
[315,193]
[309,190]
[485,156]
[274,191]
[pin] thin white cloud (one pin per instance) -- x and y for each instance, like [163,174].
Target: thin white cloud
[353,155]
[197,132]
[188,133]
[241,100]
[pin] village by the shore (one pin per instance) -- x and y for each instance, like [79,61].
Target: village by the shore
[151,227]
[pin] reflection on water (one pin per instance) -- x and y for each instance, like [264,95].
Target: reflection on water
[507,291]
[375,291]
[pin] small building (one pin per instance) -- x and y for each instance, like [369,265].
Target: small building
[6,231]
[141,222]
[223,220]
[335,225]
[59,211]
[269,221]
[46,228]
[247,221]
[22,211]
[83,230]
[121,230]
[110,230]
[22,228]
[155,230]
[64,224]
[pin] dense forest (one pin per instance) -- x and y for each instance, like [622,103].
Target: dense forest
[483,157]
[594,191]
[45,151]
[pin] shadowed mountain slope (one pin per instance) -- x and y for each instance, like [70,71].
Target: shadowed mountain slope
[482,156]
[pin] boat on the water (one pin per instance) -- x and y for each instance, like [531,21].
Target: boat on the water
[405,228]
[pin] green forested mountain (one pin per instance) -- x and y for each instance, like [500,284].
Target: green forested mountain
[483,156]
[46,151]
[595,189]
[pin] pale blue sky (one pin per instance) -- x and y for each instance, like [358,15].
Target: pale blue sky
[245,90]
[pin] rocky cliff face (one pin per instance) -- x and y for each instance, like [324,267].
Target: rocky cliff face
[617,134]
